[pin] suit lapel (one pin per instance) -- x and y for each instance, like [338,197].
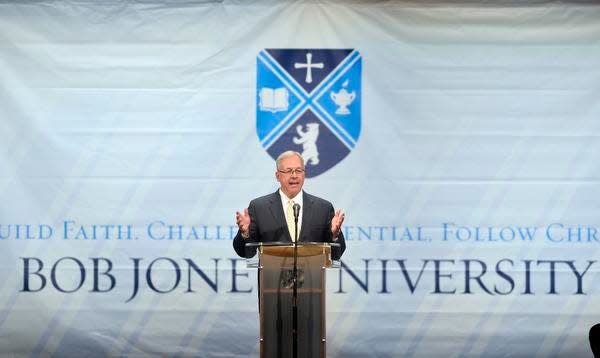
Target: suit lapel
[277,211]
[306,215]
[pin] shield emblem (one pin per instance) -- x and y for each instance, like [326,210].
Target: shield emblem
[309,101]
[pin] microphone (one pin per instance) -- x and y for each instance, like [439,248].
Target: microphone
[296,208]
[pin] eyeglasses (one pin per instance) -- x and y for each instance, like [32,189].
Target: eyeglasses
[290,171]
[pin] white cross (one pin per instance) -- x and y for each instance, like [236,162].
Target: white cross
[309,66]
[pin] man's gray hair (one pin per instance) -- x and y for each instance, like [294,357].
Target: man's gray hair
[286,154]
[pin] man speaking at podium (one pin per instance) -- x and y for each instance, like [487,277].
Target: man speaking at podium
[270,218]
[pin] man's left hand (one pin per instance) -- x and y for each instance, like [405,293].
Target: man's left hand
[336,223]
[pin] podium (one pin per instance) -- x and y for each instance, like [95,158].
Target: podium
[275,263]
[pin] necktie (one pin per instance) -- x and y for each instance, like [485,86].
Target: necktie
[289,217]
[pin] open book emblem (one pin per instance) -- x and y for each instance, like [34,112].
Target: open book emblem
[273,100]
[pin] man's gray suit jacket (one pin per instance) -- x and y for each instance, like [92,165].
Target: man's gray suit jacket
[268,223]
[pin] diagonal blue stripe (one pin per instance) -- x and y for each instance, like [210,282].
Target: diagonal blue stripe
[341,69]
[291,117]
[339,132]
[283,75]
[284,125]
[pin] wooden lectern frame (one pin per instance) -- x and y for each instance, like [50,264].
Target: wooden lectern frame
[275,277]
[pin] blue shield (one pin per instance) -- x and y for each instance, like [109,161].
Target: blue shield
[309,101]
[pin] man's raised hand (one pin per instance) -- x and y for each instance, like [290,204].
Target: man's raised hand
[243,222]
[336,223]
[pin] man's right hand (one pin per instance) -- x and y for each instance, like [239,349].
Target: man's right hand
[243,222]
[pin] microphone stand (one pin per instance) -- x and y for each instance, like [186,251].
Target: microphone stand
[295,289]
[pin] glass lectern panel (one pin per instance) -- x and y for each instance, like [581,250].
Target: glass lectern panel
[275,263]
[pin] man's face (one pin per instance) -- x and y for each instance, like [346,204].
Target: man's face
[291,182]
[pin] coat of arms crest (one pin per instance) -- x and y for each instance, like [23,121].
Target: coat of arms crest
[309,100]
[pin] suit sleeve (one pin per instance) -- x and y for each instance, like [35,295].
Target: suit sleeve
[239,243]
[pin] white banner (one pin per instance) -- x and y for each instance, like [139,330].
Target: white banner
[460,138]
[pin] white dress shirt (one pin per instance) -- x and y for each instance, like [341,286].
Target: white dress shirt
[297,200]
